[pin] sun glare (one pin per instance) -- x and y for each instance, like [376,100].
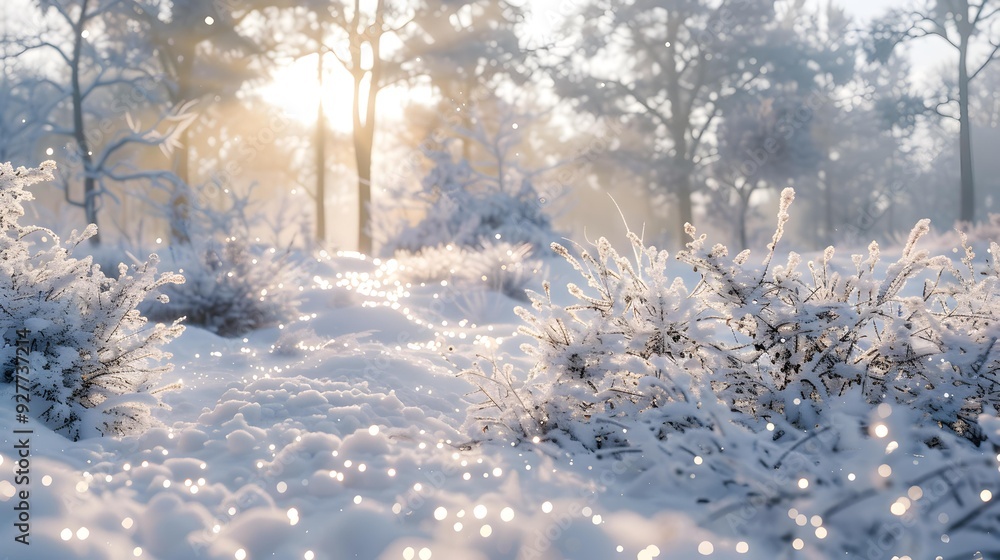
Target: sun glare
[295,90]
[543,23]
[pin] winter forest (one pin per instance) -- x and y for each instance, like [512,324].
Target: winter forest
[500,279]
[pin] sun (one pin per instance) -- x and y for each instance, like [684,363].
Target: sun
[295,90]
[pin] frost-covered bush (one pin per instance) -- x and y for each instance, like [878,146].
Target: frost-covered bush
[799,343]
[862,485]
[233,283]
[618,351]
[770,393]
[467,208]
[500,267]
[768,340]
[95,364]
[232,286]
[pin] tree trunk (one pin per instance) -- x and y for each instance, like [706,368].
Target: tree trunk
[363,158]
[678,125]
[828,209]
[364,133]
[320,146]
[968,199]
[180,206]
[890,221]
[744,208]
[89,203]
[684,210]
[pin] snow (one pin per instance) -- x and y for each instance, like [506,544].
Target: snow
[349,448]
[340,436]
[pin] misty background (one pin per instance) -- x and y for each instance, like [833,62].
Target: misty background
[161,112]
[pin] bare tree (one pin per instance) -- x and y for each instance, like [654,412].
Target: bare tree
[200,52]
[105,85]
[966,27]
[18,134]
[387,42]
[762,143]
[664,69]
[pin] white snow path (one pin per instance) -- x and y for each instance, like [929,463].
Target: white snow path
[346,447]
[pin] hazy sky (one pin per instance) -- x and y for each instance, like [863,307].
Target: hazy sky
[926,56]
[868,8]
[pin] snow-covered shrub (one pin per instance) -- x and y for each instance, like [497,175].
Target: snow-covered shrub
[767,340]
[862,485]
[94,366]
[232,286]
[501,267]
[467,208]
[772,394]
[797,344]
[234,283]
[618,351]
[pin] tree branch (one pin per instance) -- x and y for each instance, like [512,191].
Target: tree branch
[990,58]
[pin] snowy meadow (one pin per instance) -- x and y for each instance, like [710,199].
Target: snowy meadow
[406,410]
[499,279]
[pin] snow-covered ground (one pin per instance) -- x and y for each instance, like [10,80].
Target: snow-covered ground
[337,436]
[340,435]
